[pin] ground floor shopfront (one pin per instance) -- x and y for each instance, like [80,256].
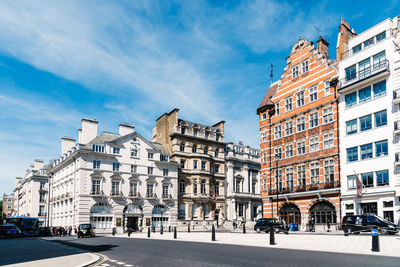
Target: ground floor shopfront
[106,213]
[319,209]
[385,205]
[203,212]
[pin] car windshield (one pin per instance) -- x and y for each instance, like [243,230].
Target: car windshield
[384,220]
[84,226]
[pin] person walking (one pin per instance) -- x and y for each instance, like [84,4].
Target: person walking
[312,224]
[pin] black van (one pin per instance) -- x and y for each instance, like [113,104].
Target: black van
[264,224]
[364,223]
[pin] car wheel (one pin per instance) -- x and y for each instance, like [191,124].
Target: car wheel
[383,231]
[258,230]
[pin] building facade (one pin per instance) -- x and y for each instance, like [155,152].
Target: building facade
[299,140]
[113,180]
[243,198]
[8,206]
[199,150]
[369,88]
[32,193]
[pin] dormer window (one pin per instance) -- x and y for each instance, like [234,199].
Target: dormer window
[195,132]
[206,135]
[150,155]
[217,136]
[164,157]
[116,150]
[98,148]
[134,152]
[183,130]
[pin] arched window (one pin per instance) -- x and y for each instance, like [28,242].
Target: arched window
[203,187]
[101,216]
[101,208]
[290,213]
[195,187]
[159,209]
[323,212]
[194,148]
[160,216]
[182,211]
[133,209]
[194,210]
[206,211]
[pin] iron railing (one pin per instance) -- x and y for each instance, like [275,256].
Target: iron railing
[365,73]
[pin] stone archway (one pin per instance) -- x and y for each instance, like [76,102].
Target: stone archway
[290,212]
[323,212]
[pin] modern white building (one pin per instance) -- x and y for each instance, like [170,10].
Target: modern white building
[113,180]
[31,193]
[369,88]
[243,198]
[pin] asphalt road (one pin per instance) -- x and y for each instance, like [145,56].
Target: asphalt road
[144,252]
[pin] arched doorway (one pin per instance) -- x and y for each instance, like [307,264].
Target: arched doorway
[323,212]
[290,213]
[101,216]
[160,216]
[133,216]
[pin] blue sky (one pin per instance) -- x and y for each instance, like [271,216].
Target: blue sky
[131,61]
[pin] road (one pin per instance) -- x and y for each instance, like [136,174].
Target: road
[144,252]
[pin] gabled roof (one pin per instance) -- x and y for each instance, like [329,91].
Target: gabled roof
[267,103]
[103,138]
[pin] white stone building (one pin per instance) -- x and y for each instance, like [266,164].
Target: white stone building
[369,88]
[243,199]
[31,193]
[113,180]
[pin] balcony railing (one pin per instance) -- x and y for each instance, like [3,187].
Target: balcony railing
[134,194]
[151,195]
[365,73]
[305,188]
[166,196]
[42,214]
[96,192]
[116,193]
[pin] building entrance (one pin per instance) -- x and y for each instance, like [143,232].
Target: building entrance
[371,208]
[132,223]
[290,213]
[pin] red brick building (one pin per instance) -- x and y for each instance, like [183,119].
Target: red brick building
[299,140]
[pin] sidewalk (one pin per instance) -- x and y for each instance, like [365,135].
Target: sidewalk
[328,242]
[38,252]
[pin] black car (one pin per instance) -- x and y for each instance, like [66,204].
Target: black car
[264,224]
[86,229]
[364,223]
[9,230]
[44,231]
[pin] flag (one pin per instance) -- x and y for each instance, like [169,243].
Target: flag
[359,186]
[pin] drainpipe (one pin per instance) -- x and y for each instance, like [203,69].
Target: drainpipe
[334,83]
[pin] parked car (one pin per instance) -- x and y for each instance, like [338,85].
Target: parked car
[364,223]
[264,224]
[9,230]
[86,229]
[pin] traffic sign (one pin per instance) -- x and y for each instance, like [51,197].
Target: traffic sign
[374,232]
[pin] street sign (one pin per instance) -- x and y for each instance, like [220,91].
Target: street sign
[374,232]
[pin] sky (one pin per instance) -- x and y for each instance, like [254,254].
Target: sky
[132,61]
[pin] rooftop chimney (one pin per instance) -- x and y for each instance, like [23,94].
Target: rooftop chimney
[89,130]
[345,34]
[323,47]
[38,164]
[66,144]
[125,128]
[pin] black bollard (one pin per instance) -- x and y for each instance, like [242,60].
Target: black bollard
[148,231]
[244,228]
[129,232]
[213,233]
[162,230]
[287,230]
[346,230]
[375,240]
[175,232]
[169,228]
[154,229]
[188,228]
[271,235]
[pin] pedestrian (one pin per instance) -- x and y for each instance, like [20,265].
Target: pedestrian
[328,224]
[234,225]
[75,229]
[69,230]
[312,224]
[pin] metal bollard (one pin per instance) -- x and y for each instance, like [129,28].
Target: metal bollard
[169,228]
[162,230]
[213,233]
[175,232]
[154,229]
[346,230]
[375,240]
[188,228]
[148,231]
[271,235]
[244,228]
[129,232]
[287,230]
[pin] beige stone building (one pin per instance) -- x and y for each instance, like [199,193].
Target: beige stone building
[199,149]
[8,205]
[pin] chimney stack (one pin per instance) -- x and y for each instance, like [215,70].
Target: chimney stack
[323,47]
[345,34]
[125,128]
[66,144]
[89,130]
[38,164]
